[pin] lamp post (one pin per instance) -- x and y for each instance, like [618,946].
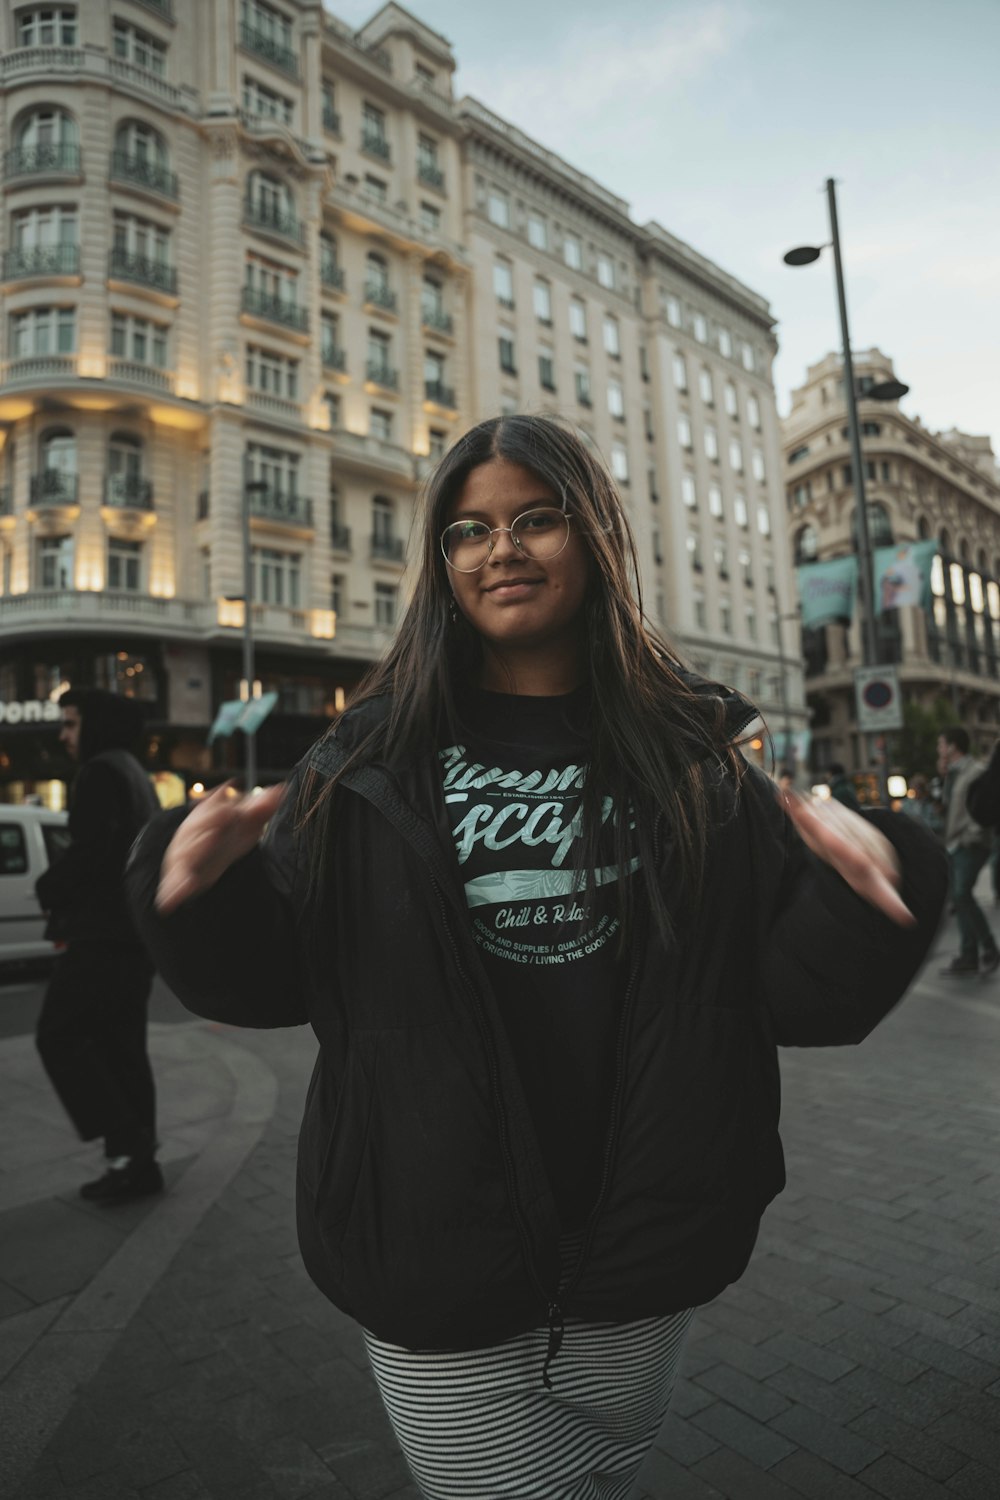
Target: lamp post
[887,390]
[249,688]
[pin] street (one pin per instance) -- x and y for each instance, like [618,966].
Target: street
[174,1349]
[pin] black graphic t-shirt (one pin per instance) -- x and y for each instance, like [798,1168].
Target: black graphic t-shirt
[513,789]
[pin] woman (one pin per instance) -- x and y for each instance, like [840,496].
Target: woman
[548,927]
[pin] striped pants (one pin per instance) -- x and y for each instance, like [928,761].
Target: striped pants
[481,1426]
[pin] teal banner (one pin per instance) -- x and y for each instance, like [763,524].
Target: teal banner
[826,591]
[903,575]
[226,719]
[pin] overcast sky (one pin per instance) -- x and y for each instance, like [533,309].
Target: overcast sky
[723,118]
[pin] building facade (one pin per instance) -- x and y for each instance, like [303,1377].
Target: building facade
[919,485]
[251,257]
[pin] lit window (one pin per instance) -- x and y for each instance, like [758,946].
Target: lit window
[740,511]
[753,412]
[542,297]
[763,520]
[715,499]
[578,319]
[736,455]
[747,356]
[612,338]
[699,328]
[606,270]
[757,465]
[684,432]
[680,372]
[538,234]
[498,208]
[732,400]
[503,283]
[619,462]
[711,443]
[725,343]
[672,310]
[689,491]
[573,252]
[616,399]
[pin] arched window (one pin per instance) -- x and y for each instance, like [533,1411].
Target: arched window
[806,545]
[330,270]
[879,526]
[45,139]
[125,482]
[924,529]
[963,551]
[269,201]
[376,274]
[55,481]
[141,155]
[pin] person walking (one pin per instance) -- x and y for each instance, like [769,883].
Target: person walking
[842,787]
[922,805]
[548,926]
[968,846]
[91,1032]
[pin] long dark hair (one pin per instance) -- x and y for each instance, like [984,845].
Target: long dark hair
[652,737]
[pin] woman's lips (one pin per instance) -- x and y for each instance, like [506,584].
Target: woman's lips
[513,591]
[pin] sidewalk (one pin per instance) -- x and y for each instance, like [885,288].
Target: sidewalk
[174,1350]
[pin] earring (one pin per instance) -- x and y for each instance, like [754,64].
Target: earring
[453,612]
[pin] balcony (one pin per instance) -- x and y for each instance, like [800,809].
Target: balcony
[376,145]
[331,275]
[252,40]
[430,175]
[41,260]
[128,167]
[6,501]
[440,394]
[334,358]
[270,219]
[28,369]
[52,159]
[270,405]
[134,372]
[437,319]
[331,120]
[163,8]
[128,492]
[377,295]
[273,505]
[144,272]
[275,309]
[340,537]
[53,487]
[388,549]
[381,374]
[29,614]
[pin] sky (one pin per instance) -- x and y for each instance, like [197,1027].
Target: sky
[722,120]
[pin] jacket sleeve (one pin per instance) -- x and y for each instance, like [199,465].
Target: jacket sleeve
[233,953]
[830,965]
[98,839]
[982,800]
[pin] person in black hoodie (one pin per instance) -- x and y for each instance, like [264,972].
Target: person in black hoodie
[548,926]
[91,1033]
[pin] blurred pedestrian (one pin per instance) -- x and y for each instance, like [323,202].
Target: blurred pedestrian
[983,803]
[842,787]
[786,780]
[91,1031]
[922,805]
[547,925]
[968,846]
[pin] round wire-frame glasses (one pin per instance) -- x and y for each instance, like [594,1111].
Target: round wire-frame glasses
[540,534]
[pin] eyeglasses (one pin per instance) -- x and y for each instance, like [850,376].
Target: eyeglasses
[539,534]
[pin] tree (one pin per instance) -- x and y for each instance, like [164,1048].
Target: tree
[916,744]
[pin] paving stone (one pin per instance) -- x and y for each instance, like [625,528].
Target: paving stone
[958,1363]
[743,1392]
[896,1480]
[974,1482]
[293,1467]
[827,1439]
[817,1480]
[660,1476]
[787,1348]
[895,1363]
[684,1442]
[909,1443]
[369,1469]
[758,1360]
[762,1445]
[185,1486]
[734,1476]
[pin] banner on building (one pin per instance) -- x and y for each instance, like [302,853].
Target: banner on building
[226,719]
[255,712]
[827,590]
[903,575]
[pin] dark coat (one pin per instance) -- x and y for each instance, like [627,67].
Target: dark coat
[982,799]
[423,1206]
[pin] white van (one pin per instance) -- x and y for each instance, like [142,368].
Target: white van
[30,839]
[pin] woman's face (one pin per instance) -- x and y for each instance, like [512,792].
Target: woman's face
[514,601]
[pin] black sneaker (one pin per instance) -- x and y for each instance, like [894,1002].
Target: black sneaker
[990,961]
[962,966]
[139,1178]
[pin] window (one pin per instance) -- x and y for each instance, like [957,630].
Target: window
[54,562]
[146,241]
[694,551]
[711,443]
[380,357]
[437,442]
[705,389]
[578,319]
[747,356]
[376,188]
[331,119]
[538,232]
[13,850]
[700,613]
[278,468]
[680,372]
[332,403]
[506,350]
[606,270]
[498,208]
[732,400]
[52,26]
[373,136]
[689,490]
[424,75]
[43,330]
[430,218]
[427,156]
[740,511]
[48,129]
[802,494]
[277,577]
[746,575]
[684,432]
[386,601]
[715,500]
[269,201]
[763,520]
[757,465]
[434,388]
[753,412]
[139,340]
[46,228]
[619,462]
[138,47]
[503,283]
[124,566]
[699,327]
[725,617]
[542,298]
[377,280]
[573,252]
[380,424]
[616,400]
[264,102]
[276,374]
[581,377]
[750,616]
[736,455]
[268,23]
[612,337]
[721,555]
[725,343]
[271,279]
[672,310]
[546,372]
[432,302]
[383,522]
[338,593]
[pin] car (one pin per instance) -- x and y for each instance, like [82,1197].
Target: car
[31,838]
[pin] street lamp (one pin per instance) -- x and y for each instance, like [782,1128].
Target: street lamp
[249,688]
[887,390]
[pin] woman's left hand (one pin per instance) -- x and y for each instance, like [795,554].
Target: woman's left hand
[855,849]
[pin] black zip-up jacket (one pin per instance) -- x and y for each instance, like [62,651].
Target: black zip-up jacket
[982,800]
[423,1206]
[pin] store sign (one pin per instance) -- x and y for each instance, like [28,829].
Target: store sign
[31,711]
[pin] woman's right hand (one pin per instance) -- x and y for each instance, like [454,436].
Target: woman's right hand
[220,830]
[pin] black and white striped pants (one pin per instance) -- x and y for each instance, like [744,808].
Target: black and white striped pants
[481,1426]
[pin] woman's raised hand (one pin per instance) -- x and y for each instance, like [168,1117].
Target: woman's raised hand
[854,848]
[220,830]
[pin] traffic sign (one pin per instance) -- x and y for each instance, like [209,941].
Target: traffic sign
[878,699]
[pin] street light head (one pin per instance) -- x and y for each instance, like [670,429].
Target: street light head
[886,390]
[802,255]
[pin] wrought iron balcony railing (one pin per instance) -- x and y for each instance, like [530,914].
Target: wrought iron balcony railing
[330,274]
[334,358]
[381,374]
[266,47]
[375,145]
[275,505]
[436,318]
[126,166]
[51,156]
[53,487]
[380,296]
[268,216]
[141,269]
[128,492]
[276,309]
[389,548]
[331,120]
[340,537]
[41,260]
[430,175]
[438,392]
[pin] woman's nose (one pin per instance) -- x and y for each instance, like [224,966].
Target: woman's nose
[504,545]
